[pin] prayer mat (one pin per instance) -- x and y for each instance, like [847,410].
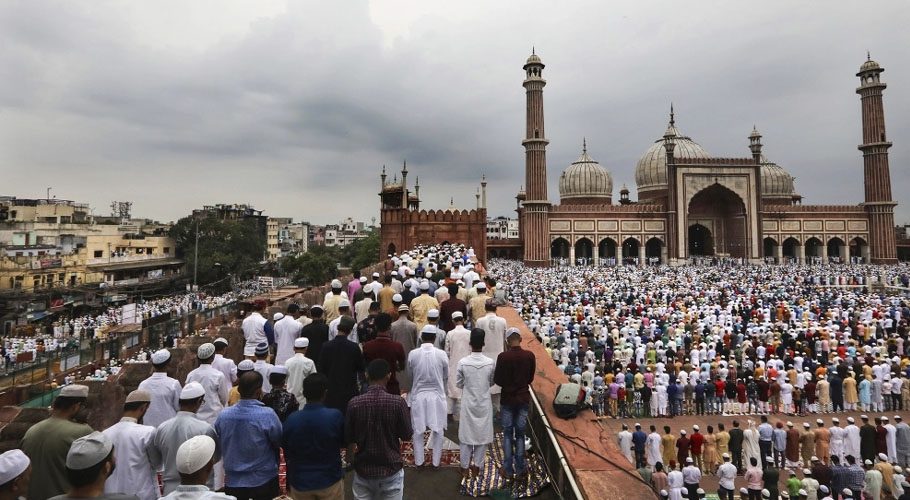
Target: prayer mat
[491,483]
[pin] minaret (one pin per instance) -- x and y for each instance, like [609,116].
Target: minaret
[483,191]
[876,173]
[755,144]
[404,185]
[534,231]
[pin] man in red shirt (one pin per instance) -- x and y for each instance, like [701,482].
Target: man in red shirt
[719,395]
[696,441]
[514,372]
[383,347]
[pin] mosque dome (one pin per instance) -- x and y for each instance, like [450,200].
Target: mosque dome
[776,183]
[651,171]
[869,65]
[585,181]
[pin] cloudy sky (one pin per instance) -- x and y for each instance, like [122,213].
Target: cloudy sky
[294,106]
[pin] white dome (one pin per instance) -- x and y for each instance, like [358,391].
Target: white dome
[651,171]
[776,183]
[585,181]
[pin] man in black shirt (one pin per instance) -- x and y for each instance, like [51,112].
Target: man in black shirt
[736,445]
[342,362]
[317,332]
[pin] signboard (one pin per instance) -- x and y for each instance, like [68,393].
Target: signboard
[129,315]
[266,282]
[69,362]
[155,273]
[117,297]
[50,263]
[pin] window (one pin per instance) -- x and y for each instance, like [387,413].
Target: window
[167,250]
[99,254]
[61,277]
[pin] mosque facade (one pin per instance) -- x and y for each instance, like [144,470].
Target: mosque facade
[692,204]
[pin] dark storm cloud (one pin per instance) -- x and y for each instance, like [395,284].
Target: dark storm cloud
[297,112]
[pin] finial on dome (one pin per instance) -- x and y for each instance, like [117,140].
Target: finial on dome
[532,50]
[672,114]
[405,167]
[868,56]
[584,144]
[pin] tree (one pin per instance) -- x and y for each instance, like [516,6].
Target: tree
[316,267]
[361,253]
[225,247]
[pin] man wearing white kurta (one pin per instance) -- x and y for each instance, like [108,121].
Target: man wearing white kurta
[165,391]
[134,472]
[254,326]
[474,376]
[652,448]
[299,368]
[286,332]
[224,365]
[624,438]
[494,341]
[428,370]
[457,347]
[851,443]
[212,380]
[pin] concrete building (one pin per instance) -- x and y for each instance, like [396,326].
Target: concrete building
[691,204]
[502,228]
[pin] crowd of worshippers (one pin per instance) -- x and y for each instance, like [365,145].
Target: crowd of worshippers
[695,340]
[314,382]
[817,462]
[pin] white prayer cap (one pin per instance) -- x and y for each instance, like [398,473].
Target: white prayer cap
[363,279]
[457,315]
[867,462]
[194,454]
[682,431]
[74,391]
[88,451]
[221,340]
[425,285]
[883,457]
[301,343]
[160,356]
[205,351]
[688,460]
[12,464]
[249,350]
[807,472]
[279,369]
[864,417]
[397,298]
[344,303]
[813,459]
[789,424]
[375,275]
[138,396]
[481,286]
[695,427]
[884,419]
[368,288]
[246,365]
[725,455]
[277,316]
[336,284]
[433,313]
[806,425]
[192,390]
[850,420]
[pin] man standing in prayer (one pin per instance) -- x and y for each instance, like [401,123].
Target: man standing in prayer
[195,462]
[254,326]
[342,362]
[131,440]
[384,347]
[250,437]
[494,343]
[48,442]
[652,447]
[212,380]
[375,423]
[165,391]
[299,368]
[514,372]
[175,431]
[89,463]
[404,331]
[474,376]
[316,332]
[422,304]
[287,329]
[457,346]
[428,370]
[262,366]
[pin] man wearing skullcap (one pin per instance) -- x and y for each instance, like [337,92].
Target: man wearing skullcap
[299,368]
[341,361]
[474,376]
[726,475]
[131,440]
[344,309]
[385,295]
[691,477]
[422,304]
[404,331]
[822,440]
[867,437]
[48,442]
[223,364]
[362,306]
[244,366]
[195,461]
[887,472]
[902,432]
[165,391]
[872,484]
[89,463]
[385,347]
[451,305]
[806,443]
[249,436]
[332,300]
[366,323]
[457,347]
[262,366]
[494,328]
[175,431]
[312,438]
[514,371]
[428,369]
[316,332]
[770,478]
[477,303]
[15,474]
[212,380]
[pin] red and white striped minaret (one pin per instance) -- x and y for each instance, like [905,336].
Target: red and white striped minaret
[876,172]
[534,230]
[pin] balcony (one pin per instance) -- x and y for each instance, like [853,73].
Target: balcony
[131,261]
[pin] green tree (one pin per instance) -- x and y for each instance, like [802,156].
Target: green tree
[361,253]
[317,266]
[225,247]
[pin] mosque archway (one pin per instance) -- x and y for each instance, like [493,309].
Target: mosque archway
[724,212]
[584,252]
[607,248]
[654,250]
[814,247]
[859,249]
[630,250]
[791,247]
[559,249]
[391,249]
[769,247]
[701,242]
[836,249]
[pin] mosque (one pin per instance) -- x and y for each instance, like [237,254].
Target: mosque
[689,203]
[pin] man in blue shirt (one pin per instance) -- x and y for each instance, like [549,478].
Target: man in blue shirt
[638,440]
[765,436]
[250,437]
[312,440]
